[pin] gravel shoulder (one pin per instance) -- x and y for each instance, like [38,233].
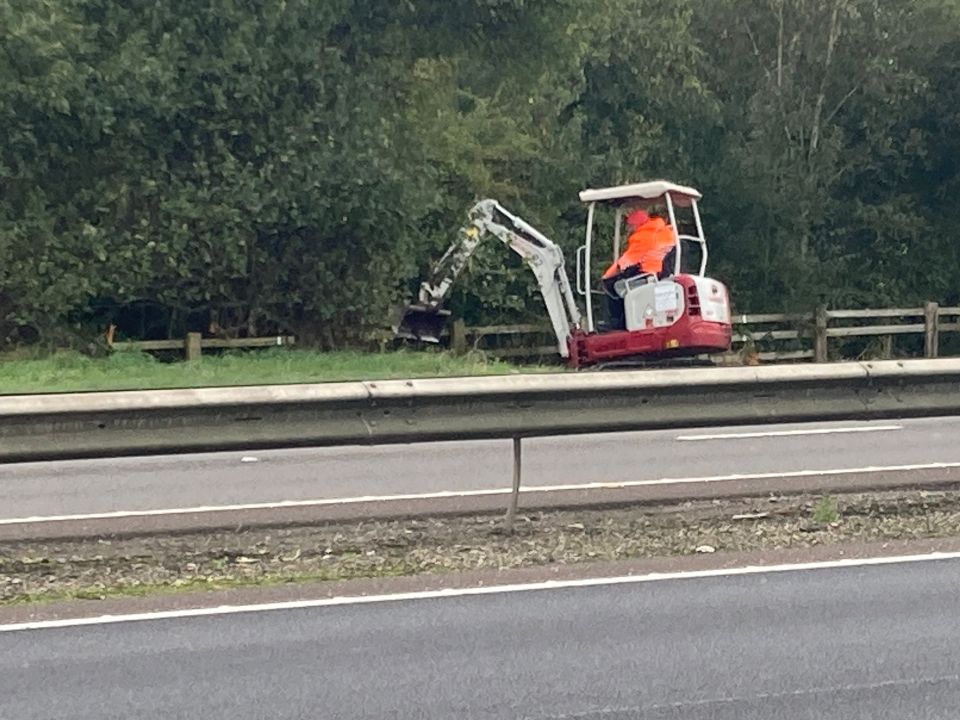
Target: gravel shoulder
[33,574]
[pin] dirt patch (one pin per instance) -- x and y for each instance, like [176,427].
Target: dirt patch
[36,572]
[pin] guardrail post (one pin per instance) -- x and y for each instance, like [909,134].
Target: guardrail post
[820,338]
[192,346]
[931,327]
[515,495]
[458,337]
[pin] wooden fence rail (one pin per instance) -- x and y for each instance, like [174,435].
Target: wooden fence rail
[757,337]
[193,344]
[760,336]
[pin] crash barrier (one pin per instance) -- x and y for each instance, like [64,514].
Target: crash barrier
[109,424]
[106,424]
[820,336]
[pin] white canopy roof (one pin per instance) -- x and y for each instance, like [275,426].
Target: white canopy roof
[647,191]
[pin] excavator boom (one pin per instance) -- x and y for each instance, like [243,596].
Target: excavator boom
[425,319]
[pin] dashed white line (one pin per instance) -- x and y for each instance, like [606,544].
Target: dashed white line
[485,590]
[279,505]
[790,433]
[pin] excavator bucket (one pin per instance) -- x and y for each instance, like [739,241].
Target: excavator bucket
[418,322]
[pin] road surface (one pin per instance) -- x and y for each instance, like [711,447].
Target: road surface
[863,643]
[212,480]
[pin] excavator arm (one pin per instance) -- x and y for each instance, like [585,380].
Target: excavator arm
[425,319]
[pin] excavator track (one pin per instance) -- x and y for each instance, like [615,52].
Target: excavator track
[650,364]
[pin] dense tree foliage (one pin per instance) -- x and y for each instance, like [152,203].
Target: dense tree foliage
[290,165]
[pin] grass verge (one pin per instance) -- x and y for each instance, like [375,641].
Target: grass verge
[34,572]
[68,371]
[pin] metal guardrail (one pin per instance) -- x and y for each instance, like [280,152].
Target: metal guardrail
[85,425]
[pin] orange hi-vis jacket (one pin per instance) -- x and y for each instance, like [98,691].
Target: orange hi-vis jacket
[647,246]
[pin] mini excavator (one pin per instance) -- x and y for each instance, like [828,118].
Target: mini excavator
[679,312]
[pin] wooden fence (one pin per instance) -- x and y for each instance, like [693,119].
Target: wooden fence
[818,336]
[193,344]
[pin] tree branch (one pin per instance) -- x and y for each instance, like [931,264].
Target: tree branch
[780,46]
[832,38]
[843,101]
[756,49]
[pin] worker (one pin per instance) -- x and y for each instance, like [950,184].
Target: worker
[650,241]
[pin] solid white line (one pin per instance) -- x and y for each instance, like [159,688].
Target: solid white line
[486,590]
[790,433]
[205,509]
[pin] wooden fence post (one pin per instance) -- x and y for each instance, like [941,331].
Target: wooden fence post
[820,338]
[887,347]
[192,347]
[931,330]
[458,337]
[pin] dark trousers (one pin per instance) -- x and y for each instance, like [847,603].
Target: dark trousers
[615,306]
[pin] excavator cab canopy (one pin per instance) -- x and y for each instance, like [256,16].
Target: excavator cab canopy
[644,194]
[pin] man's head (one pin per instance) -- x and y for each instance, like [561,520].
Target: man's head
[637,218]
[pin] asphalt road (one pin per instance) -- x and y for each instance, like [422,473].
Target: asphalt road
[155,483]
[855,643]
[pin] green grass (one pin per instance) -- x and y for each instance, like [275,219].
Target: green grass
[122,591]
[68,372]
[826,511]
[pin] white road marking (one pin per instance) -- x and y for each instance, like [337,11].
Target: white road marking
[790,433]
[636,711]
[485,590]
[204,509]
